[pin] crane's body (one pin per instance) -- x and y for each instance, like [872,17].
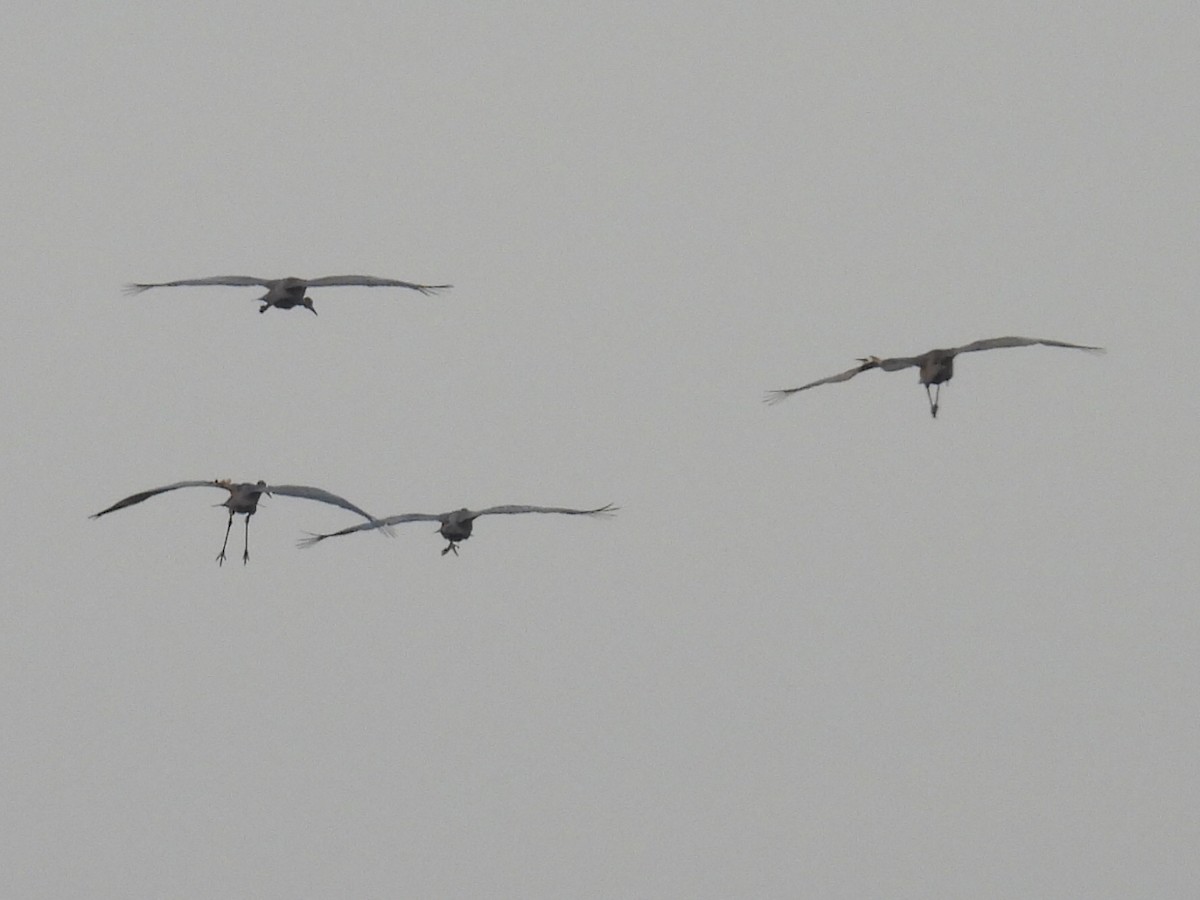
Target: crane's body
[456,526]
[936,367]
[242,500]
[286,293]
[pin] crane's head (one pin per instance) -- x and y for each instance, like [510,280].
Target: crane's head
[308,304]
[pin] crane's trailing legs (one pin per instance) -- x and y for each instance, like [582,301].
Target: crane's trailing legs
[933,399]
[286,303]
[452,546]
[225,543]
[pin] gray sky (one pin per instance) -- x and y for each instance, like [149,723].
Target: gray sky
[828,649]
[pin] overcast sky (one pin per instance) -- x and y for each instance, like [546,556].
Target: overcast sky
[832,648]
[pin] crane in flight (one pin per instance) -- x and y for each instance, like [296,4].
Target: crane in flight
[243,500]
[456,526]
[936,366]
[285,293]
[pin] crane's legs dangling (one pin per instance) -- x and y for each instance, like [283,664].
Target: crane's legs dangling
[451,546]
[246,545]
[225,543]
[933,399]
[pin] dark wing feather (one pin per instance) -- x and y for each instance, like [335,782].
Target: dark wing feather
[312,539]
[372,281]
[231,280]
[896,363]
[1001,342]
[512,510]
[773,397]
[321,496]
[146,495]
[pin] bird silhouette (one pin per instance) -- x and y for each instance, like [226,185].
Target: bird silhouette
[242,500]
[936,366]
[285,293]
[455,526]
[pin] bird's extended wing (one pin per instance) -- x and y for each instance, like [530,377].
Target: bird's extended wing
[371,281]
[776,396]
[322,496]
[895,363]
[232,280]
[511,510]
[998,343]
[384,524]
[146,495]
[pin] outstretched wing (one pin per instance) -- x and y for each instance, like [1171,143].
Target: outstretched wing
[1000,342]
[773,397]
[895,363]
[384,524]
[146,495]
[322,496]
[232,280]
[511,510]
[371,281]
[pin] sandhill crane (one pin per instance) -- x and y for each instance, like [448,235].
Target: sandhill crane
[456,526]
[937,366]
[284,293]
[243,499]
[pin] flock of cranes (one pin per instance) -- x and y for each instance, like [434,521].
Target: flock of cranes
[288,293]
[243,500]
[936,367]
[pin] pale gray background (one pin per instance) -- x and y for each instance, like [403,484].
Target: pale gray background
[827,649]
